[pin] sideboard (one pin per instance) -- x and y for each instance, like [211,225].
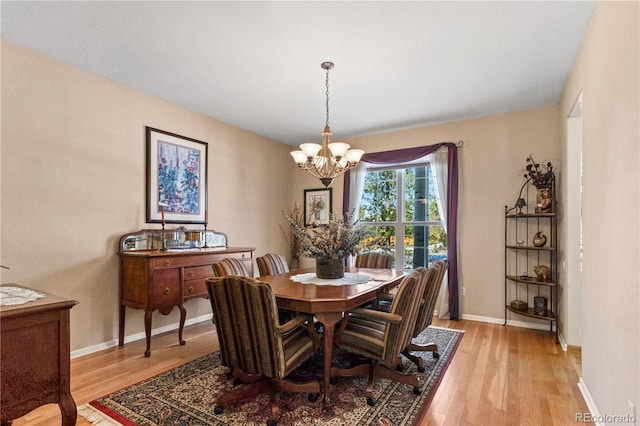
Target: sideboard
[163,278]
[35,357]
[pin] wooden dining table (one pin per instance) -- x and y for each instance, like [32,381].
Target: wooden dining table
[328,303]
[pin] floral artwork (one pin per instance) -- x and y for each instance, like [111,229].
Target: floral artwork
[317,206]
[176,178]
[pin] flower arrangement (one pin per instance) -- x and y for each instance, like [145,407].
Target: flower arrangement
[540,175]
[295,244]
[332,241]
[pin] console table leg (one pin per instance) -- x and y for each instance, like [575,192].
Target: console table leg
[147,332]
[183,317]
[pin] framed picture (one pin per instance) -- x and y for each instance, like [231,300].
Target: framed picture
[176,178]
[317,206]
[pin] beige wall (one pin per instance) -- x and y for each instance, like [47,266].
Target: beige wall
[73,181]
[606,72]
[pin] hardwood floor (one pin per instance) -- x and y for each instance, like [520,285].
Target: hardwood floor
[498,376]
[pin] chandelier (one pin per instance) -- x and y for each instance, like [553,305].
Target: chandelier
[331,159]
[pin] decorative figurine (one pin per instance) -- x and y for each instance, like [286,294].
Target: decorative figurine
[539,239]
[544,201]
[543,273]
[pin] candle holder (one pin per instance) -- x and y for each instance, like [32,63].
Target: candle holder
[164,242]
[205,236]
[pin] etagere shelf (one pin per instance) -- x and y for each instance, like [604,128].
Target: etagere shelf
[531,268]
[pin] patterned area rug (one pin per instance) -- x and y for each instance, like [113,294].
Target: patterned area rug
[186,395]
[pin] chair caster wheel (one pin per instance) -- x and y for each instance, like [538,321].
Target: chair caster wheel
[371,401]
[417,391]
[218,409]
[271,422]
[313,397]
[436,355]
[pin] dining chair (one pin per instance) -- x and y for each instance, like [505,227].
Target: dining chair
[374,259]
[272,264]
[434,276]
[259,350]
[230,266]
[381,336]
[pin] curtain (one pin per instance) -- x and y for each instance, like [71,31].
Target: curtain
[439,168]
[356,186]
[398,156]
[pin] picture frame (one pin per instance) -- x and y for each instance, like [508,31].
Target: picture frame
[317,206]
[176,180]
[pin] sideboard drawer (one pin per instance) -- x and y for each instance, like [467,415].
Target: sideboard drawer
[198,272]
[194,288]
[165,290]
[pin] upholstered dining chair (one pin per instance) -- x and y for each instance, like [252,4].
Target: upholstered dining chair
[230,266]
[272,264]
[259,350]
[381,337]
[434,276]
[374,259]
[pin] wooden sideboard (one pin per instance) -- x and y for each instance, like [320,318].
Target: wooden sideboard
[153,279]
[35,357]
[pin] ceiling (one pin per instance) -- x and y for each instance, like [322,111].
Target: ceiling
[256,65]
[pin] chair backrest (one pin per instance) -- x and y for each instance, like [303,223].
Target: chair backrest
[272,264]
[444,265]
[406,304]
[230,266]
[246,318]
[374,259]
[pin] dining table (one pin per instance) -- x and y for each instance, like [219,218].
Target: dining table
[328,302]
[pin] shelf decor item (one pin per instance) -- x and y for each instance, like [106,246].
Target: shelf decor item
[539,239]
[543,273]
[542,177]
[520,305]
[539,305]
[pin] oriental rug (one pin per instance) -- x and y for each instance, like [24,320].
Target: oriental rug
[186,395]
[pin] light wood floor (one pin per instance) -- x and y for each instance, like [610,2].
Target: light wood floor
[498,376]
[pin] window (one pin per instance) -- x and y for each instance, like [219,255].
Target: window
[399,206]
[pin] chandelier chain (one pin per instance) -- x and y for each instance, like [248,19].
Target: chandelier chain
[327,84]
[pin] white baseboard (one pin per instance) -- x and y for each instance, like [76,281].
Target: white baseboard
[593,409]
[514,323]
[137,336]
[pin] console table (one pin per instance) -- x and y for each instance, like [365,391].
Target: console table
[35,357]
[161,278]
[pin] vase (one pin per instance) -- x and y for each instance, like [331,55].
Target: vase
[330,268]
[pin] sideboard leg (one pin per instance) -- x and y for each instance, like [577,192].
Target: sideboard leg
[147,332]
[121,331]
[183,317]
